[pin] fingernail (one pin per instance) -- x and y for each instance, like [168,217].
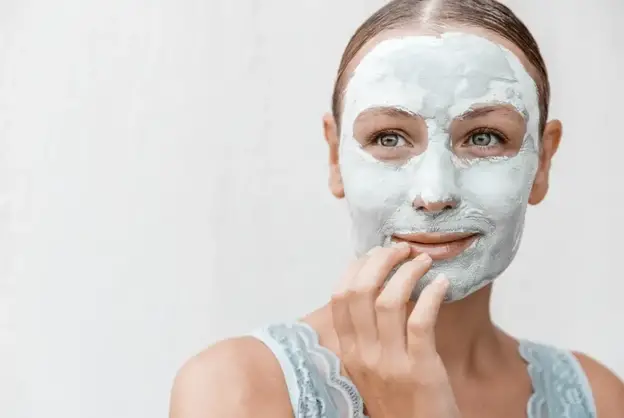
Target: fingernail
[424,257]
[400,245]
[442,280]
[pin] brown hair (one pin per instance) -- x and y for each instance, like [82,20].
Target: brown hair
[486,14]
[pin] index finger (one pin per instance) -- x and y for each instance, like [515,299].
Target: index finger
[421,322]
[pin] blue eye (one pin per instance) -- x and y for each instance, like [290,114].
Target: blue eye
[485,139]
[390,140]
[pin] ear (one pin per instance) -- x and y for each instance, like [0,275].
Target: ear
[331,136]
[550,143]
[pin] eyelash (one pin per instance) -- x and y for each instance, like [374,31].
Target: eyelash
[375,137]
[486,130]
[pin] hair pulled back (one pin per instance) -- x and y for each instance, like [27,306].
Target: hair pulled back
[487,14]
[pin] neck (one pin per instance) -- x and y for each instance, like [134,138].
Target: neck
[466,338]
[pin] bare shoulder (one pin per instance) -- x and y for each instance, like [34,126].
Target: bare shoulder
[607,388]
[234,378]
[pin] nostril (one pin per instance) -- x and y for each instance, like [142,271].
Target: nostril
[433,207]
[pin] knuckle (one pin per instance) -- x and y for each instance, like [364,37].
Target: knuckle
[350,355]
[395,370]
[387,305]
[363,362]
[371,359]
[417,328]
[364,289]
[357,291]
[387,375]
[346,295]
[350,359]
[339,296]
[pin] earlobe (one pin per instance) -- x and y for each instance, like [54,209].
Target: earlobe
[550,143]
[539,190]
[330,130]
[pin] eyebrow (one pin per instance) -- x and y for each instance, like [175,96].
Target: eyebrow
[472,113]
[389,111]
[477,112]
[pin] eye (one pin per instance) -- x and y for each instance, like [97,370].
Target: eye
[485,139]
[389,140]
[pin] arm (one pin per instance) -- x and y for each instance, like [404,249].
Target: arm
[233,379]
[607,388]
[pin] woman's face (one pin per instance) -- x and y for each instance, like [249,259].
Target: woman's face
[440,146]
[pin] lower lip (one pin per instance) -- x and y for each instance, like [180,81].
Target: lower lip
[442,251]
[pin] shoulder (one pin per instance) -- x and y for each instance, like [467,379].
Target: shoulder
[607,388]
[239,377]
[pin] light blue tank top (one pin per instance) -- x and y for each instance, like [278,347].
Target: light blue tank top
[318,390]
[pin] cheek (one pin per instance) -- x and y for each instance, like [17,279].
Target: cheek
[372,187]
[500,188]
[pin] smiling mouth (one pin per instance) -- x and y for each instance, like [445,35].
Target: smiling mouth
[439,246]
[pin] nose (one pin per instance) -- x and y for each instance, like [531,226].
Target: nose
[434,207]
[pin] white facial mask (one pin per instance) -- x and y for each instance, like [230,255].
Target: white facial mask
[439,78]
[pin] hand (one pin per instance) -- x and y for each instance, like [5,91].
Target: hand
[390,357]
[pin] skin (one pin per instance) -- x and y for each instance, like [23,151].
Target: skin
[240,377]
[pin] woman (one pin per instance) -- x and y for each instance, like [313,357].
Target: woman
[438,139]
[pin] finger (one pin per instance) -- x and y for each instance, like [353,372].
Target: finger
[341,317]
[366,288]
[391,304]
[421,322]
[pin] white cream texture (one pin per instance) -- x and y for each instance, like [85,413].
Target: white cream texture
[439,78]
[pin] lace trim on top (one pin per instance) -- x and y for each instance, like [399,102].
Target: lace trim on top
[310,403]
[331,366]
[560,387]
[307,357]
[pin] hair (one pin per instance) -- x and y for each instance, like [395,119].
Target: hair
[487,14]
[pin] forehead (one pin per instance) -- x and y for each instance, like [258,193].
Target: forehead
[437,31]
[423,73]
[437,62]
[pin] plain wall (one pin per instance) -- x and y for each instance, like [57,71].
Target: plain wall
[163,185]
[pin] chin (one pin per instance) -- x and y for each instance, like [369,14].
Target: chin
[468,272]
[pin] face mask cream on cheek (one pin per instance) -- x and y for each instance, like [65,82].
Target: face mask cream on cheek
[439,79]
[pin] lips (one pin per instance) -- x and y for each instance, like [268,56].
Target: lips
[439,246]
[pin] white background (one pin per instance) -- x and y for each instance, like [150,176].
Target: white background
[163,185]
